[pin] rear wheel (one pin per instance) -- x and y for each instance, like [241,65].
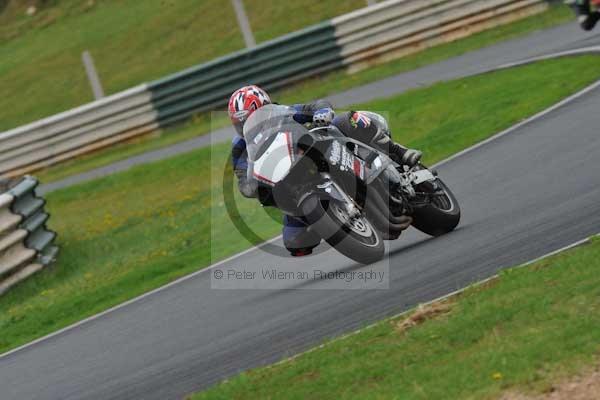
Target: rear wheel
[354,237]
[439,217]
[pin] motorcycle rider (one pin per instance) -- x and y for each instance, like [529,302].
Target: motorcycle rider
[358,125]
[587,12]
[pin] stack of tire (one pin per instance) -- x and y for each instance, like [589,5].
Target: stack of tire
[26,244]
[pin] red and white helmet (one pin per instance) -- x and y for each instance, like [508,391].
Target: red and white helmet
[244,102]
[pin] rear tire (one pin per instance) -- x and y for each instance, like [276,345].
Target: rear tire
[356,239]
[440,217]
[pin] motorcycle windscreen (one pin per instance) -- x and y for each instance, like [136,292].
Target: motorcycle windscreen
[275,162]
[263,125]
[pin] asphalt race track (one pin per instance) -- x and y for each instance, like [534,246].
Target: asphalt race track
[524,194]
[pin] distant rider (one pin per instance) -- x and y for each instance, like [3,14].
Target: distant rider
[587,11]
[360,126]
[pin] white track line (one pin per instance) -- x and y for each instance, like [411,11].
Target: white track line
[204,270]
[138,298]
[566,53]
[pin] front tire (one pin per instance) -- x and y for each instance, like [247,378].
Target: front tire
[441,216]
[355,238]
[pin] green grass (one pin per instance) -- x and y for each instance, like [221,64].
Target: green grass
[125,234]
[524,331]
[41,72]
[313,88]
[271,19]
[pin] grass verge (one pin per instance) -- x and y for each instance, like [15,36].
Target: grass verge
[125,234]
[41,72]
[331,83]
[524,330]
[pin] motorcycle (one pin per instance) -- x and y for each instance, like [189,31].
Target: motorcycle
[351,194]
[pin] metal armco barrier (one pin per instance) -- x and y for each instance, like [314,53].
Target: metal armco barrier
[393,29]
[272,65]
[26,245]
[377,33]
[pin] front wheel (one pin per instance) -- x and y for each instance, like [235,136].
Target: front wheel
[441,216]
[356,238]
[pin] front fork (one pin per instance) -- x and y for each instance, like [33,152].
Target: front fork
[336,192]
[417,186]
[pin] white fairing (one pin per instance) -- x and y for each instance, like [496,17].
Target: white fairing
[422,176]
[275,163]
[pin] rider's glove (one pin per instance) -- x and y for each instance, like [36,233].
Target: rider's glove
[323,117]
[411,157]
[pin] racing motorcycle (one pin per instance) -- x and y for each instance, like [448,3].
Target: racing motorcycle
[351,194]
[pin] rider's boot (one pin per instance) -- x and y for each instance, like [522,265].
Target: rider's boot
[403,155]
[397,152]
[297,237]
